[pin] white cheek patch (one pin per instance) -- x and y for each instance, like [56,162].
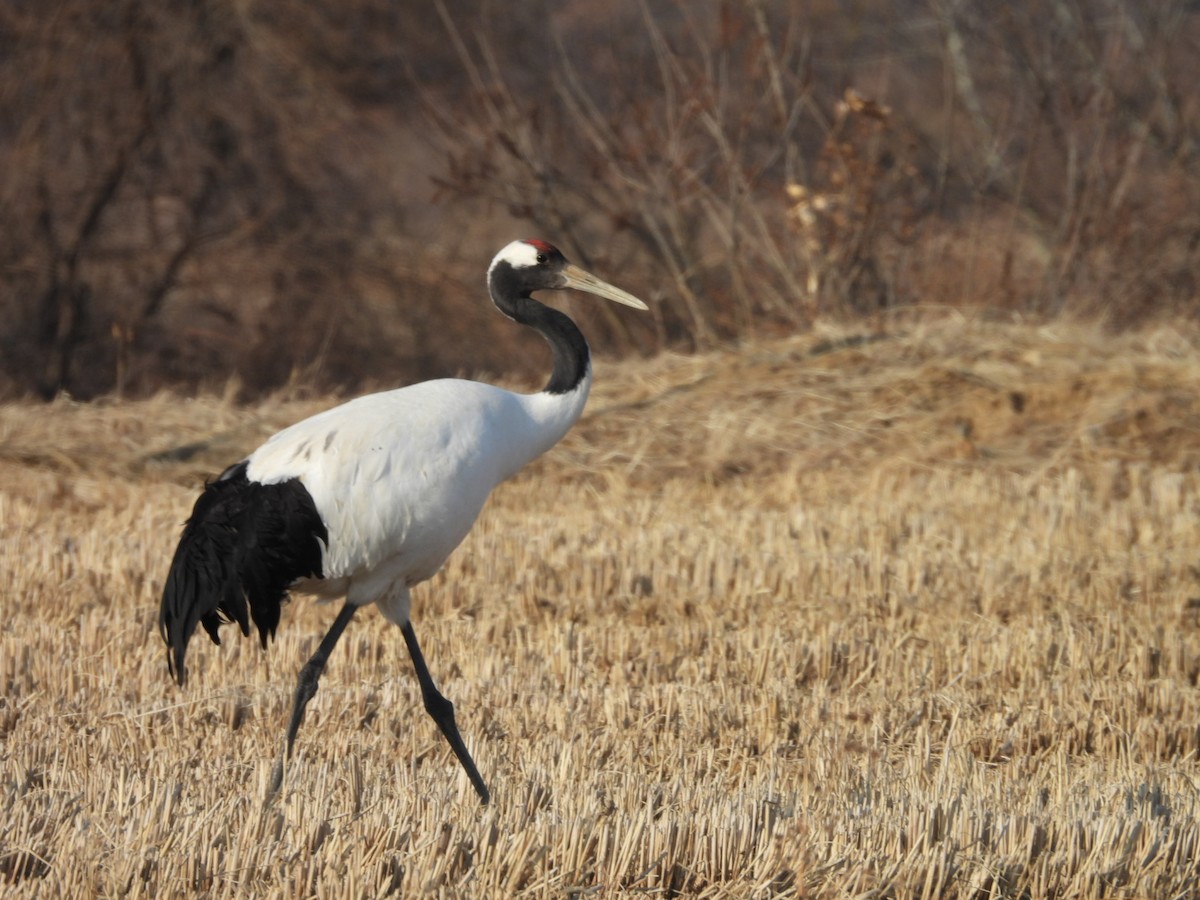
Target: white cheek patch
[518,254]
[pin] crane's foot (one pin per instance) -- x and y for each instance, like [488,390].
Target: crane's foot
[442,712]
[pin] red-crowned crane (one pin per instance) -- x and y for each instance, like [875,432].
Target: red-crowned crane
[367,499]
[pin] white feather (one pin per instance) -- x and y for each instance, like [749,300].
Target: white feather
[400,477]
[518,254]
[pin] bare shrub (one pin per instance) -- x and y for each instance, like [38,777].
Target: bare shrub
[674,168]
[193,194]
[1071,122]
[186,199]
[861,210]
[934,152]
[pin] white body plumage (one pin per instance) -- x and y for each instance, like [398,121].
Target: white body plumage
[400,477]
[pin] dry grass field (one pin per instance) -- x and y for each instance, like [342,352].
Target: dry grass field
[899,612]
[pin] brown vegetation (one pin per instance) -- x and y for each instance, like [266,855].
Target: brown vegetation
[905,611]
[276,190]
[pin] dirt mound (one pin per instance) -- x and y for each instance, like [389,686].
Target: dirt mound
[911,395]
[901,396]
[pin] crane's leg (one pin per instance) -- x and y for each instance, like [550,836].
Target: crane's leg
[306,687]
[442,711]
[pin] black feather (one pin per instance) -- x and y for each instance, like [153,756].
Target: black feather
[245,544]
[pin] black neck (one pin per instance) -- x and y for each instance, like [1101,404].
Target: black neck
[572,359]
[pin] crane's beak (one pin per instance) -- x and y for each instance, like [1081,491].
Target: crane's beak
[575,277]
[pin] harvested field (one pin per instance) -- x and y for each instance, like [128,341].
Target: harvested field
[911,611]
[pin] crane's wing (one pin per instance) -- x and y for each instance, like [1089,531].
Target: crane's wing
[244,544]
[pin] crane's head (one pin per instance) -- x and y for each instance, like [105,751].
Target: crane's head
[525,266]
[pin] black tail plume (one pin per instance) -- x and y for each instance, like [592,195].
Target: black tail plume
[245,544]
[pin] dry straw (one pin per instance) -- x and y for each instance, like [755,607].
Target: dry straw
[909,612]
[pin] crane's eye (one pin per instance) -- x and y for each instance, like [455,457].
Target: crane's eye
[542,259]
